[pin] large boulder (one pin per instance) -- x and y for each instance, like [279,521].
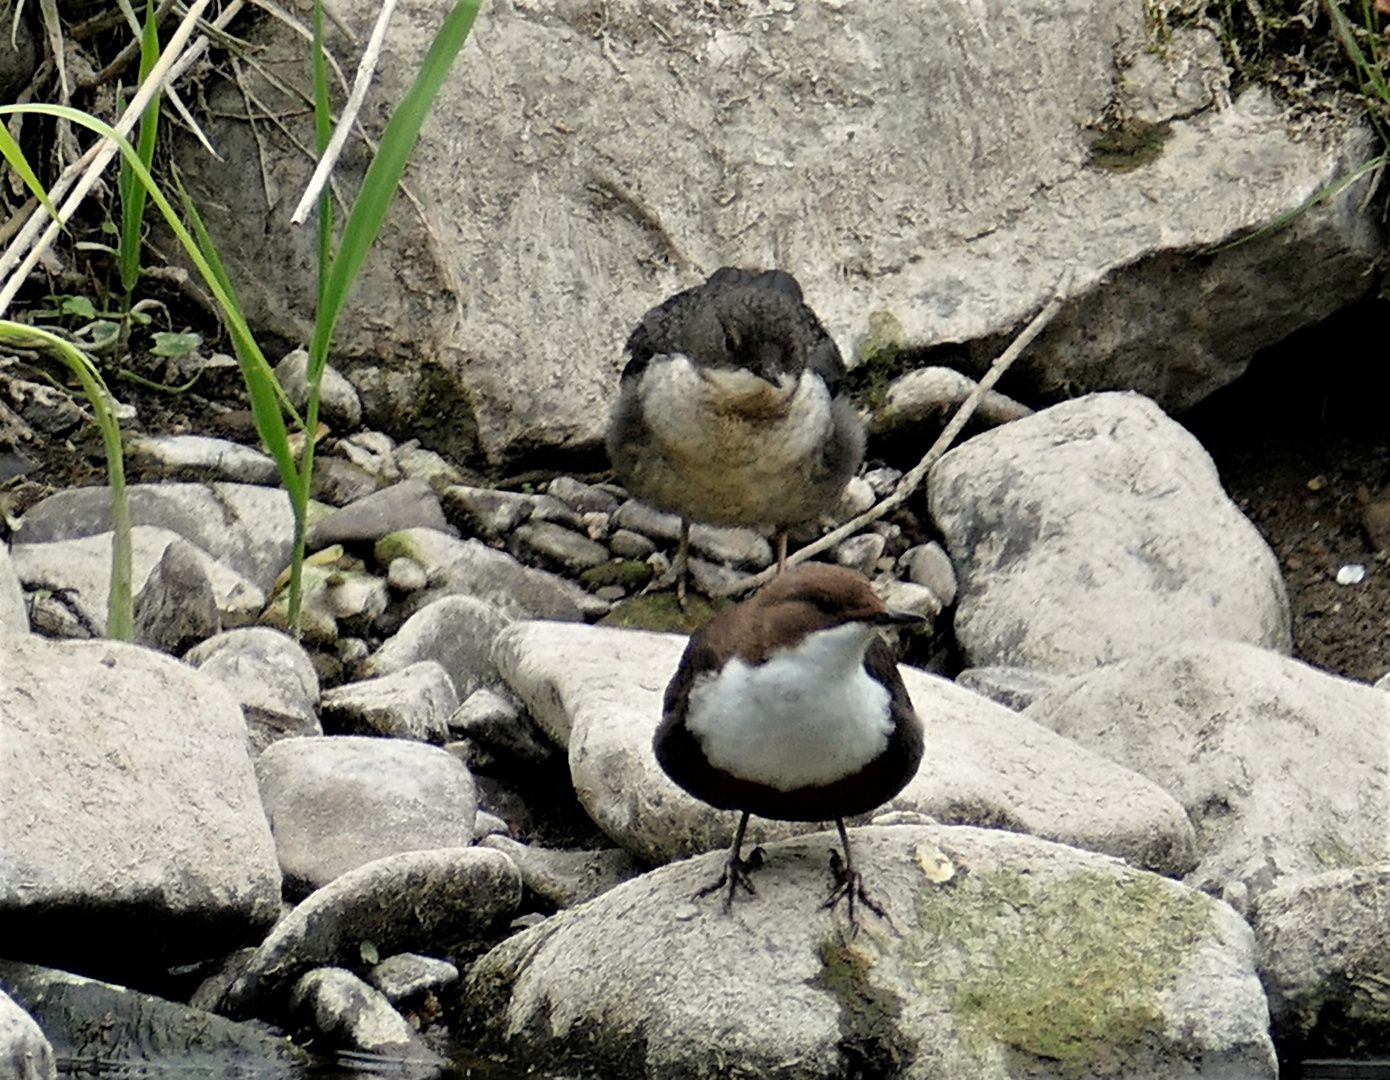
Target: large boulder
[1283,769]
[1095,530]
[134,838]
[930,165]
[1006,956]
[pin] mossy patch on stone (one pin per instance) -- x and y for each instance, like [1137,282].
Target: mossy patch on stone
[659,611]
[1072,969]
[1123,145]
[629,573]
[871,1040]
[879,358]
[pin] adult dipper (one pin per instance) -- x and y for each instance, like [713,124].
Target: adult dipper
[790,706]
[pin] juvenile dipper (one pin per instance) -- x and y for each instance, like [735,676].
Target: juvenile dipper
[729,409]
[790,706]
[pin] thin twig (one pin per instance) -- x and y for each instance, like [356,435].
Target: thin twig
[366,68]
[909,483]
[100,155]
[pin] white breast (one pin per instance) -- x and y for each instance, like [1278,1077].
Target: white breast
[807,717]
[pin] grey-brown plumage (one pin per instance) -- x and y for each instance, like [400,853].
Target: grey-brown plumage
[729,410]
[791,707]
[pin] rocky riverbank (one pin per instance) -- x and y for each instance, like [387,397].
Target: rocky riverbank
[1129,785]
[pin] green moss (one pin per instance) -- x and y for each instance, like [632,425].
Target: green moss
[631,574]
[1071,969]
[659,611]
[1123,145]
[879,358]
[870,1039]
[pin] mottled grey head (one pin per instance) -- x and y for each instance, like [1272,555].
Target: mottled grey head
[739,319]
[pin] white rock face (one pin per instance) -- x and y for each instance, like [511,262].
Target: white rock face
[129,790]
[927,159]
[1096,530]
[599,690]
[1284,770]
[1008,949]
[13,618]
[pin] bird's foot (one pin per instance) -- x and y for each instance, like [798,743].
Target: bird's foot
[734,876]
[674,575]
[848,885]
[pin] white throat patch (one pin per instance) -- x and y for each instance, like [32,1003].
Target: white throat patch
[807,717]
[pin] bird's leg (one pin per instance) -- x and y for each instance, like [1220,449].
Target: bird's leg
[849,883]
[682,567]
[736,870]
[781,550]
[679,569]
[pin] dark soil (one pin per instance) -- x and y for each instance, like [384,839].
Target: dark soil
[1302,442]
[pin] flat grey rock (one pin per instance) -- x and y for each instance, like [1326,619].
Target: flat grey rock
[418,901]
[177,608]
[471,568]
[1012,957]
[25,1052]
[582,498]
[336,803]
[247,527]
[743,548]
[406,975]
[412,703]
[1096,530]
[338,482]
[417,463]
[455,632]
[954,211]
[556,547]
[1283,769]
[112,1028]
[934,393]
[598,690]
[78,571]
[350,1014]
[205,457]
[339,406]
[407,505]
[140,831]
[561,879]
[269,674]
[928,564]
[494,720]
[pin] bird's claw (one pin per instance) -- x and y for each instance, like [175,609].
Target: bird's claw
[848,884]
[734,876]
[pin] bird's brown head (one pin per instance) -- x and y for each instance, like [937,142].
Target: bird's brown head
[807,598]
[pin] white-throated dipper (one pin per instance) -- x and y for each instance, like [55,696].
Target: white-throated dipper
[729,409]
[790,706]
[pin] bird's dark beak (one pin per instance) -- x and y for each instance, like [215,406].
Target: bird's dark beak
[896,618]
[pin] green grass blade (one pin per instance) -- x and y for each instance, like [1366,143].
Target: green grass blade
[379,185]
[10,150]
[120,601]
[131,191]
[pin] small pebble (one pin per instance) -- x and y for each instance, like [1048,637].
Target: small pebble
[685,912]
[1351,574]
[406,575]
